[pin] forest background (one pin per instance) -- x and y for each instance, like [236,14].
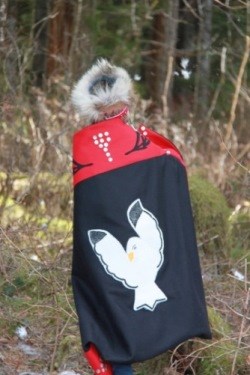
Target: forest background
[189,61]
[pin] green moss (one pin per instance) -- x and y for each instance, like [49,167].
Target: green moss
[218,324]
[47,193]
[153,366]
[211,214]
[15,212]
[218,356]
[67,345]
[12,211]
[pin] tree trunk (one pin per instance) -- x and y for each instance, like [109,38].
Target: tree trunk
[186,52]
[204,61]
[60,36]
[11,59]
[3,18]
[161,55]
[40,41]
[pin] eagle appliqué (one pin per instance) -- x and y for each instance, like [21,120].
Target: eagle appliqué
[77,166]
[141,143]
[137,266]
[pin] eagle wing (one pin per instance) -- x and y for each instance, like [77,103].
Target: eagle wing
[111,254]
[147,227]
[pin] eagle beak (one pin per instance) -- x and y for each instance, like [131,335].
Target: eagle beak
[131,256]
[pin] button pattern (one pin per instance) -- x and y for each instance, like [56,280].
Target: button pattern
[102,140]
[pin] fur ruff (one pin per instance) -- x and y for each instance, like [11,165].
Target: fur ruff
[102,85]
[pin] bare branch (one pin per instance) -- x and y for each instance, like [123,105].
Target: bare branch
[237,90]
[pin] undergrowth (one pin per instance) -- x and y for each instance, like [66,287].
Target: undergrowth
[36,251]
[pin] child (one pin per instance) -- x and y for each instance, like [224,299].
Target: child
[136,274]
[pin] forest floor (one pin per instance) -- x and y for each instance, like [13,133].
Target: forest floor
[38,324]
[36,341]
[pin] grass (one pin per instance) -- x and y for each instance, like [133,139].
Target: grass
[36,293]
[35,286]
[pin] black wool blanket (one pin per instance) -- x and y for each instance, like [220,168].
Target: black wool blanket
[136,274]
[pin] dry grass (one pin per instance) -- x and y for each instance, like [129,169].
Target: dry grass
[35,238]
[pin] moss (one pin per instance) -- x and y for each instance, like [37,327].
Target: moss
[218,356]
[154,366]
[10,288]
[15,212]
[211,214]
[46,193]
[39,298]
[218,324]
[12,211]
[67,345]
[49,193]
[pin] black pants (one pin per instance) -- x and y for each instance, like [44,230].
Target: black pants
[120,369]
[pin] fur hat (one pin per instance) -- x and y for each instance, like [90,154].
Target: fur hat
[103,84]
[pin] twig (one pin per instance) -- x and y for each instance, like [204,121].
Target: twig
[23,256]
[48,307]
[228,306]
[230,7]
[229,153]
[208,240]
[192,10]
[243,323]
[166,86]
[57,335]
[220,84]
[237,90]
[243,91]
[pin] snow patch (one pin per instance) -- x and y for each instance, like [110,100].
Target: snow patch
[28,350]
[238,275]
[21,332]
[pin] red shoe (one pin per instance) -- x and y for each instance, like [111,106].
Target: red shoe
[96,362]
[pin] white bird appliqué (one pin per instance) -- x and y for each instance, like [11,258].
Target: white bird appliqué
[138,265]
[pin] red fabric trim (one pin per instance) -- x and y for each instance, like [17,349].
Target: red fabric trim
[96,362]
[121,114]
[162,142]
[112,144]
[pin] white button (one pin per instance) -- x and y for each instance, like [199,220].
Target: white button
[100,135]
[106,144]
[168,152]
[106,133]
[100,145]
[108,139]
[110,159]
[143,128]
[94,136]
[102,140]
[96,142]
[108,154]
[105,149]
[145,133]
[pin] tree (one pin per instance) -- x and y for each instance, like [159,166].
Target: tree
[160,61]
[11,49]
[59,35]
[40,41]
[204,59]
